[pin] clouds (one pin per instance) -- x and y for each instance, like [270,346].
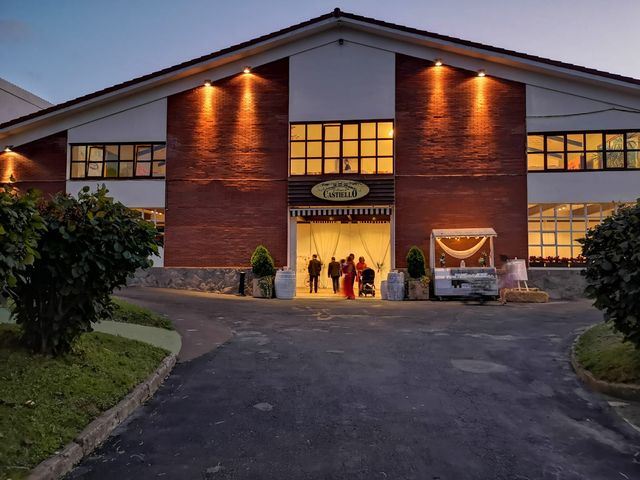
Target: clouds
[14,31]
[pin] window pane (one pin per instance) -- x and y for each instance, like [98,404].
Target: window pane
[332,132]
[143,169]
[633,159]
[575,142]
[314,131]
[332,165]
[549,238]
[159,152]
[535,251]
[95,153]
[126,169]
[385,165]
[575,161]
[535,143]
[555,143]
[368,130]
[111,153]
[548,251]
[385,148]
[94,170]
[555,161]
[297,150]
[633,140]
[349,165]
[126,152]
[350,131]
[535,161]
[368,165]
[534,238]
[350,148]
[615,159]
[331,149]
[297,167]
[143,152]
[594,141]
[615,141]
[594,160]
[385,130]
[78,170]
[564,252]
[368,148]
[314,167]
[314,149]
[594,210]
[298,132]
[159,168]
[79,152]
[111,169]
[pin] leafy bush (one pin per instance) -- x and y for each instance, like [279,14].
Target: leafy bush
[416,263]
[262,263]
[20,229]
[612,271]
[91,245]
[126,312]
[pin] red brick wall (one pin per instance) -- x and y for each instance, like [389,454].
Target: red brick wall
[227,155]
[40,164]
[460,156]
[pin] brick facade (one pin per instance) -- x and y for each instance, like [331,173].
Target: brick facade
[227,164]
[40,164]
[460,157]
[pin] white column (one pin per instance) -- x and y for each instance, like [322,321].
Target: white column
[292,243]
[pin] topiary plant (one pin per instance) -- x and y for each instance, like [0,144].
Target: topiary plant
[612,270]
[262,262]
[416,262]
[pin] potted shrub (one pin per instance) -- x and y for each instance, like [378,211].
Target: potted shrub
[263,271]
[418,282]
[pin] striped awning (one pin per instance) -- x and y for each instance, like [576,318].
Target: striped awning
[304,212]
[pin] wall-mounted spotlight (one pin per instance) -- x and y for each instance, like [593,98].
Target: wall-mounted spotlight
[482,73]
[207,83]
[246,69]
[438,62]
[341,41]
[8,148]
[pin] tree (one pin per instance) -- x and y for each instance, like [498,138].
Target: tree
[20,229]
[91,246]
[612,271]
[262,262]
[416,263]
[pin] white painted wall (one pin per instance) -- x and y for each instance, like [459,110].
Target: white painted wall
[16,102]
[146,123]
[341,82]
[587,187]
[133,193]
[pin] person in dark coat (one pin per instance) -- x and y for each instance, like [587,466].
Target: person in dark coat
[335,271]
[315,266]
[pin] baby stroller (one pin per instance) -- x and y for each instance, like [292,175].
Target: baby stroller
[366,283]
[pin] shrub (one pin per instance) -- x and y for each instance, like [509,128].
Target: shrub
[612,270]
[91,245]
[416,262]
[262,263]
[20,229]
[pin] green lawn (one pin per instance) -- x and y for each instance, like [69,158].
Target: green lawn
[601,351]
[128,313]
[46,402]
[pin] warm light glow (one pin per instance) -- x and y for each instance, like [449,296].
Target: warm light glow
[247,69]
[207,83]
[482,73]
[438,62]
[391,132]
[7,149]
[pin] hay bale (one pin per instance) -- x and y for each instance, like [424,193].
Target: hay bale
[533,295]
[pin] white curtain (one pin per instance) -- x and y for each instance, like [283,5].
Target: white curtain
[324,242]
[376,240]
[461,254]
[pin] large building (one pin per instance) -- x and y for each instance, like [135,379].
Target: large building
[421,131]
[16,102]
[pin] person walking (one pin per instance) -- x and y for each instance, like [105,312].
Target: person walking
[315,266]
[335,271]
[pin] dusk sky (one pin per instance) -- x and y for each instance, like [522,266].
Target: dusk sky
[63,49]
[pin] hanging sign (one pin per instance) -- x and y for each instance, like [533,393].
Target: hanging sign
[340,190]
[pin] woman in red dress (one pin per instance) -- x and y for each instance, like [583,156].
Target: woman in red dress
[349,271]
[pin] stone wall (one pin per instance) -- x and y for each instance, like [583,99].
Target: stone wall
[217,280]
[559,283]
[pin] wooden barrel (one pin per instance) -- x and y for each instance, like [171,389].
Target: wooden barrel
[285,284]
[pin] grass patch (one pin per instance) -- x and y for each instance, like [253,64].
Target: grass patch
[601,351]
[128,313]
[45,402]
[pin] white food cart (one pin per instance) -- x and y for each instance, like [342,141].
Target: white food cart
[464,281]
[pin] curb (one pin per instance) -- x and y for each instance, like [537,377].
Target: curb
[99,429]
[620,390]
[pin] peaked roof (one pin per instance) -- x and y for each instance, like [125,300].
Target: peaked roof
[336,14]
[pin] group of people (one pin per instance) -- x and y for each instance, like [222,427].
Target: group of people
[346,269]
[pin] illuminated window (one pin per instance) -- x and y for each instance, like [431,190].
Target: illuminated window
[583,151]
[341,148]
[118,161]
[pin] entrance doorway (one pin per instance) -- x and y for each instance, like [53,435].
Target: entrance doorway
[337,236]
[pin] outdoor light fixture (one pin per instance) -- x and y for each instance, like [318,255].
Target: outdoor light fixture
[207,83]
[8,148]
[247,69]
[482,73]
[438,62]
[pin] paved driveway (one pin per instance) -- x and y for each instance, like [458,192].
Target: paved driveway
[372,390]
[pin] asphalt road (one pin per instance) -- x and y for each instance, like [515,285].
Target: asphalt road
[321,389]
